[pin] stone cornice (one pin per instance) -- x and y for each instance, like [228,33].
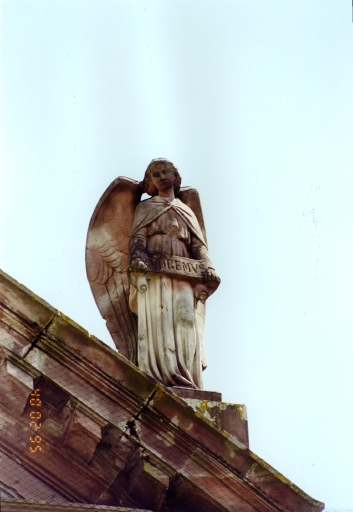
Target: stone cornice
[9,505]
[120,431]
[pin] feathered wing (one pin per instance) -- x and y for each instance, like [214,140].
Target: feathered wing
[191,198]
[107,260]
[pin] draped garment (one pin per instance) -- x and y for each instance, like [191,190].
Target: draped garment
[169,339]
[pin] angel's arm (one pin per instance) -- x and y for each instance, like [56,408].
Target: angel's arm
[138,252]
[199,252]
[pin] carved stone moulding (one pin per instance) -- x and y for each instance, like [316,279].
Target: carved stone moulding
[17,505]
[110,434]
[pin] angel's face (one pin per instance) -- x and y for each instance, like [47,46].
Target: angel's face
[163,179]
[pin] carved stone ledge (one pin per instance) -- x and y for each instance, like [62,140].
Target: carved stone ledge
[8,505]
[229,417]
[184,495]
[16,333]
[32,314]
[82,435]
[111,435]
[18,481]
[16,385]
[197,394]
[145,483]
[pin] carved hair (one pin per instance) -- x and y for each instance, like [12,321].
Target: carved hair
[160,163]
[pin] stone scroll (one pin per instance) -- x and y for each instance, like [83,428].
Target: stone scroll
[188,269]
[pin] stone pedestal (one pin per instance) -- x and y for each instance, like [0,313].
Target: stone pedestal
[229,417]
[197,394]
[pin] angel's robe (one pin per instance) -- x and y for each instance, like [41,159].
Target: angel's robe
[169,338]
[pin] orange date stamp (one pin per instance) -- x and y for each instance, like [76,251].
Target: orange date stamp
[35,416]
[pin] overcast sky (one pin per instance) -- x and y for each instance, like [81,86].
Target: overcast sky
[253,102]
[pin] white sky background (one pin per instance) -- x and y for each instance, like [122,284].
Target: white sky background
[253,102]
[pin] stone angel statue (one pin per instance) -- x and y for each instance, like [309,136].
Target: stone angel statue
[150,273]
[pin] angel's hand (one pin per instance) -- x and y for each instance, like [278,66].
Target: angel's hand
[211,275]
[137,263]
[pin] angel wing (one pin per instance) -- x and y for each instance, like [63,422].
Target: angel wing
[191,198]
[107,259]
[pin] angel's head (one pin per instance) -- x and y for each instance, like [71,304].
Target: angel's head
[159,164]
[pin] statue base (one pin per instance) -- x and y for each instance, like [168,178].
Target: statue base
[197,394]
[229,417]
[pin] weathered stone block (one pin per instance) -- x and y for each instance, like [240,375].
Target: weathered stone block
[229,417]
[112,452]
[147,484]
[53,396]
[197,394]
[82,435]
[16,385]
[183,496]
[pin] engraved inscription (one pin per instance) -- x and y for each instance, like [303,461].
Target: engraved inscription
[178,266]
